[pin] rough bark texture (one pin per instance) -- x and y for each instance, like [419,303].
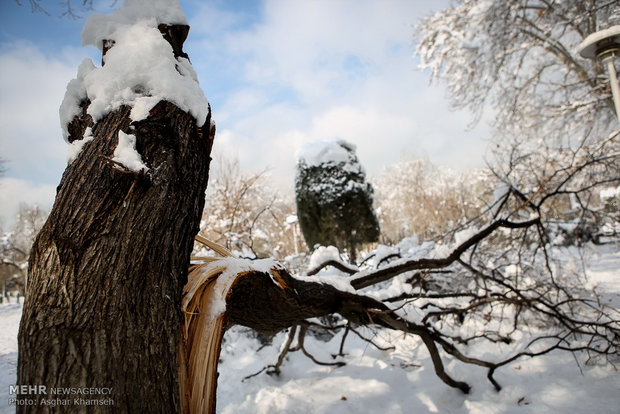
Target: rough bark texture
[108,268]
[258,303]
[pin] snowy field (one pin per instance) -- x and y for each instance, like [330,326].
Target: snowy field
[398,381]
[9,324]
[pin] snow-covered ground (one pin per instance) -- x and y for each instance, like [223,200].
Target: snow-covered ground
[403,381]
[397,381]
[9,324]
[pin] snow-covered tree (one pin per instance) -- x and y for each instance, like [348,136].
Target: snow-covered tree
[521,57]
[556,140]
[334,200]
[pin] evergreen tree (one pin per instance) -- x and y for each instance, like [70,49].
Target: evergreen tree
[334,200]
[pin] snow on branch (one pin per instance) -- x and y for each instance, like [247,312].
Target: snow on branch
[367,278]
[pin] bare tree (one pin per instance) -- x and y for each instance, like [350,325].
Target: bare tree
[13,263]
[416,197]
[67,8]
[16,246]
[554,120]
[28,223]
[245,213]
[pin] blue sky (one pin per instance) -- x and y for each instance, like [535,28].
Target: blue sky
[278,73]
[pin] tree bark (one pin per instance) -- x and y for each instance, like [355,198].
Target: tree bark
[107,270]
[257,302]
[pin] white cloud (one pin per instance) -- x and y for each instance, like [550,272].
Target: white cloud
[14,191]
[32,85]
[31,88]
[325,69]
[294,72]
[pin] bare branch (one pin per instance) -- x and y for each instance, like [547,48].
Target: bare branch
[365,279]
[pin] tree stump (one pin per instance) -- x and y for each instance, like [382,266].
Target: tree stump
[107,270]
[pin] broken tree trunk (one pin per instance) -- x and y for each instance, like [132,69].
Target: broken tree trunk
[107,270]
[263,296]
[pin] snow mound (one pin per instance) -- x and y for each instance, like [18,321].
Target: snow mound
[76,146]
[126,154]
[103,26]
[323,254]
[140,70]
[609,192]
[323,152]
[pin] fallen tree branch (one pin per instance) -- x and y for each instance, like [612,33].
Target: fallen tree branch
[334,263]
[271,300]
[365,279]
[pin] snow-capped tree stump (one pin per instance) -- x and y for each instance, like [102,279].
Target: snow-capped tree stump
[107,270]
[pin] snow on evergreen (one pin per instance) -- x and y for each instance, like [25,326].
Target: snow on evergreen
[334,200]
[316,153]
[331,155]
[323,254]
